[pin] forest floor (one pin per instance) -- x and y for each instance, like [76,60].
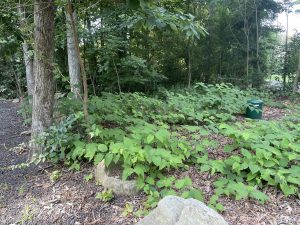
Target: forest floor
[29,196]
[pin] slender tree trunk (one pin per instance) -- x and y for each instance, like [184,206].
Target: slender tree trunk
[17,80]
[246,32]
[286,50]
[259,79]
[29,68]
[92,56]
[247,60]
[44,88]
[73,61]
[189,67]
[296,80]
[189,49]
[118,77]
[83,73]
[28,59]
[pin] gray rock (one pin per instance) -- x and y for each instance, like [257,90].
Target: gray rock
[16,100]
[174,210]
[110,179]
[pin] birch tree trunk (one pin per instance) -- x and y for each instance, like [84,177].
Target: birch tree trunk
[296,80]
[246,29]
[43,95]
[29,68]
[259,78]
[73,61]
[286,50]
[247,32]
[82,69]
[28,59]
[189,66]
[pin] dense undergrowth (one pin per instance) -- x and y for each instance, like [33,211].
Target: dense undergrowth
[154,136]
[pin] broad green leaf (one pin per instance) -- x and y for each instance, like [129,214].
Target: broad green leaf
[295,147]
[150,138]
[139,170]
[127,172]
[179,184]
[150,180]
[219,207]
[163,135]
[193,193]
[254,168]
[288,189]
[262,197]
[98,158]
[91,149]
[108,159]
[156,160]
[205,168]
[246,153]
[229,148]
[102,148]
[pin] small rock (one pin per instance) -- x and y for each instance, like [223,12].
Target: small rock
[16,100]
[113,182]
[174,210]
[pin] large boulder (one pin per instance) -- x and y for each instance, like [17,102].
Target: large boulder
[174,210]
[110,178]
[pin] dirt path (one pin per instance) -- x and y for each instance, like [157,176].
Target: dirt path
[28,196]
[10,136]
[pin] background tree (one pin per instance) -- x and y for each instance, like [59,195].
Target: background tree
[28,53]
[141,45]
[73,61]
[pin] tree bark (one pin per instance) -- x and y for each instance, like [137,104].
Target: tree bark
[29,68]
[286,50]
[73,61]
[28,60]
[44,88]
[189,67]
[82,69]
[259,79]
[296,80]
[246,31]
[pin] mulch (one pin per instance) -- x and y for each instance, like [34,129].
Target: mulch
[28,196]
[269,113]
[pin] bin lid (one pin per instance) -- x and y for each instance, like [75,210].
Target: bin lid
[255,101]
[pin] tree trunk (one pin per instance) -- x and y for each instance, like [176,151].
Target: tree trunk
[286,50]
[43,94]
[91,56]
[73,61]
[82,69]
[28,60]
[29,68]
[246,31]
[296,80]
[258,79]
[189,67]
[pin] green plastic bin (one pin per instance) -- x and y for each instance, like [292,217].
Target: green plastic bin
[254,109]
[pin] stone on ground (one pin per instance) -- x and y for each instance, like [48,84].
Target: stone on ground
[174,210]
[110,179]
